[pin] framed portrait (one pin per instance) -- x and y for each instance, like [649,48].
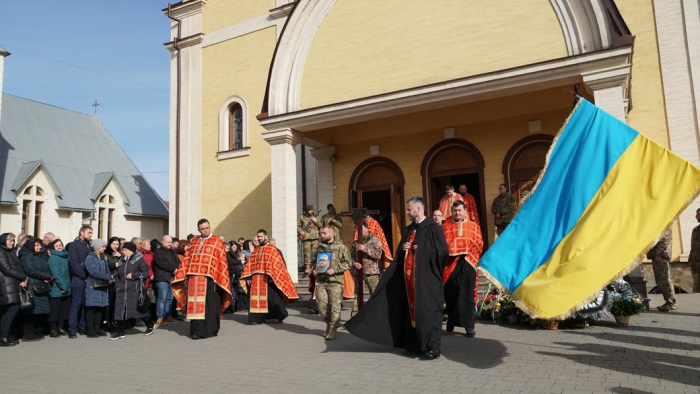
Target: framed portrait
[323,262]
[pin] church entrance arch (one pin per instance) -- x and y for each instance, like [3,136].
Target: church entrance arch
[377,184]
[524,163]
[454,162]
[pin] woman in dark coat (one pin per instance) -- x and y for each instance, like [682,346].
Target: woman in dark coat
[96,296]
[112,253]
[12,277]
[131,269]
[236,261]
[35,264]
[60,295]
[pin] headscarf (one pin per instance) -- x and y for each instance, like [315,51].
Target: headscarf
[3,242]
[108,249]
[155,244]
[29,245]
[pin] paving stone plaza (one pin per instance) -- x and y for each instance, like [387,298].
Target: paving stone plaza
[657,353]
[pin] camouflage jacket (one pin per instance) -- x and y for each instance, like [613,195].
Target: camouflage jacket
[694,257]
[312,231]
[662,248]
[340,261]
[338,223]
[503,204]
[370,256]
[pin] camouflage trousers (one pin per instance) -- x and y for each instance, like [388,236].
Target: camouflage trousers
[309,253]
[329,297]
[662,275]
[371,281]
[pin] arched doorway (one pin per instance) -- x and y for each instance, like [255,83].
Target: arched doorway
[377,184]
[455,162]
[524,163]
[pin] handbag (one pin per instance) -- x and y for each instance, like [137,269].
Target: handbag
[26,301]
[144,300]
[99,283]
[41,288]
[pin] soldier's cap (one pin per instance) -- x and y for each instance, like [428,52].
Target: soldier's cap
[308,208]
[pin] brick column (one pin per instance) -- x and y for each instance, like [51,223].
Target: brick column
[284,194]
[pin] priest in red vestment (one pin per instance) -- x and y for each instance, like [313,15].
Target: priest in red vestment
[465,243]
[472,210]
[375,228]
[405,309]
[267,282]
[202,284]
[447,200]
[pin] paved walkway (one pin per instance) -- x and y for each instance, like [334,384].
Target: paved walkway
[657,353]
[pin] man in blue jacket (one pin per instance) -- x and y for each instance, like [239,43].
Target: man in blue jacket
[76,255]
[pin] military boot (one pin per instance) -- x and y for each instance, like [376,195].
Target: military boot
[332,333]
[328,329]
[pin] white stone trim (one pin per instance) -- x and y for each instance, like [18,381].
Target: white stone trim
[224,126]
[290,58]
[475,88]
[185,42]
[239,29]
[230,154]
[324,175]
[585,25]
[282,10]
[677,27]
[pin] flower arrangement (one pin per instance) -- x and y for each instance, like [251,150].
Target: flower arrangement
[503,308]
[626,305]
[488,303]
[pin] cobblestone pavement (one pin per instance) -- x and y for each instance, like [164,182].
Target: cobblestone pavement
[657,353]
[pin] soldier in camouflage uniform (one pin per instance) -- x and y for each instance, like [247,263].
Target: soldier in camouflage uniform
[329,285]
[307,229]
[660,255]
[694,258]
[332,219]
[371,256]
[502,208]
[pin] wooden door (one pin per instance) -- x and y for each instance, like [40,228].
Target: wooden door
[398,214]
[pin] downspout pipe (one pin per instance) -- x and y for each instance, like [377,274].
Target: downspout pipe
[177,120]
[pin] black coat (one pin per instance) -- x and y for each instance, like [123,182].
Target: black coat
[11,274]
[165,263]
[126,303]
[36,266]
[385,319]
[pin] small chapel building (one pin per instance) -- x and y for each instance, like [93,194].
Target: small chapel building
[276,104]
[60,170]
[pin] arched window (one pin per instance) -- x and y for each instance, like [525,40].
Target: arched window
[106,206]
[32,206]
[233,129]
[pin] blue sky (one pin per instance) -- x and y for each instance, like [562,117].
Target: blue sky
[123,39]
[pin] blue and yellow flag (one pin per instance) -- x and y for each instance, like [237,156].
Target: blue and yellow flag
[605,195]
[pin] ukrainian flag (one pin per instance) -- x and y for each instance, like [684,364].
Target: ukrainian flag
[606,194]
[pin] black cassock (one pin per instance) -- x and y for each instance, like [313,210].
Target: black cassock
[459,295]
[386,319]
[209,326]
[275,306]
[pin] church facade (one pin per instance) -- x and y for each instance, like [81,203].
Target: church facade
[277,104]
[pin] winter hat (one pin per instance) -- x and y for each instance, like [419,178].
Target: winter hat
[130,246]
[98,243]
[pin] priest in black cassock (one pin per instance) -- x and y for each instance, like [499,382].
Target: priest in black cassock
[405,310]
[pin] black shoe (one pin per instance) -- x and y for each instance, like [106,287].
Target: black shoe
[54,334]
[255,323]
[195,337]
[433,353]
[32,339]
[91,335]
[117,335]
[16,342]
[450,326]
[149,331]
[471,333]
[62,331]
[72,335]
[101,333]
[6,342]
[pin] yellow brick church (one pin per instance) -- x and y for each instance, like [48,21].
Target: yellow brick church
[276,104]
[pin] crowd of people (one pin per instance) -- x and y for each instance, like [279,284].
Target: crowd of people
[92,286]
